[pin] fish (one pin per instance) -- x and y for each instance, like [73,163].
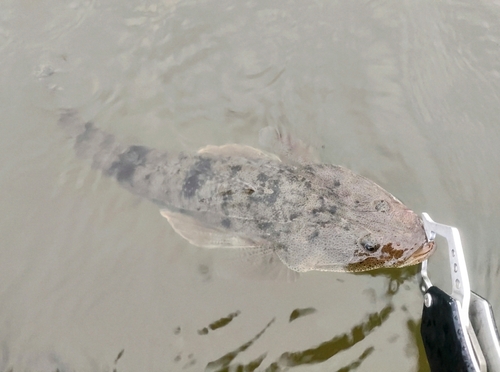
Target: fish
[312,216]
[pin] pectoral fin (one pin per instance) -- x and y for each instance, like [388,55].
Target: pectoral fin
[197,233]
[254,260]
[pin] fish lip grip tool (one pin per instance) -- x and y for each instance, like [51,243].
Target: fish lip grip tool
[458,330]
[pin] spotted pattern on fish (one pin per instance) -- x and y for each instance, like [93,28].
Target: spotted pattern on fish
[312,216]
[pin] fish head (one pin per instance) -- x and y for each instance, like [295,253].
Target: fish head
[373,230]
[387,234]
[369,229]
[404,245]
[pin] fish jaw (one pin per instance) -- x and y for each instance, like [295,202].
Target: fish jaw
[390,258]
[421,254]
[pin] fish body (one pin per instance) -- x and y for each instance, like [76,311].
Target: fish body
[312,216]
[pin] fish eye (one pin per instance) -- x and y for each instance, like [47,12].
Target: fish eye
[382,206]
[368,245]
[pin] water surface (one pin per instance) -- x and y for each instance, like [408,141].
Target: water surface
[94,279]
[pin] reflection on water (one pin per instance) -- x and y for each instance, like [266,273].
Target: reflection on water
[329,348]
[93,279]
[414,328]
[120,354]
[318,354]
[354,365]
[297,313]
[219,323]
[223,363]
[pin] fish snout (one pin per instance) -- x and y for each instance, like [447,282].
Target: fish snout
[421,254]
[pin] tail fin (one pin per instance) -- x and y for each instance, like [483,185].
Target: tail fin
[90,141]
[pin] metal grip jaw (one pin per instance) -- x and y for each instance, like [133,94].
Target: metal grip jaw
[461,286]
[458,331]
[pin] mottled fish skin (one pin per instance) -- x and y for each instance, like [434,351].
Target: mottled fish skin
[313,216]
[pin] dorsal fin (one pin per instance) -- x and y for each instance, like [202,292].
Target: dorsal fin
[237,150]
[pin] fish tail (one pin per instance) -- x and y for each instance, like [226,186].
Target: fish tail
[90,142]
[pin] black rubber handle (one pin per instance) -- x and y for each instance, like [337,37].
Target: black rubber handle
[442,335]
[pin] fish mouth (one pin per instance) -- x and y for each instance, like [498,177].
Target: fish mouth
[421,254]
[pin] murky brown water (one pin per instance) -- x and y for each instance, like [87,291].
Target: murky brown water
[94,279]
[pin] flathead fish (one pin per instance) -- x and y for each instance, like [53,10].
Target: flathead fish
[312,216]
